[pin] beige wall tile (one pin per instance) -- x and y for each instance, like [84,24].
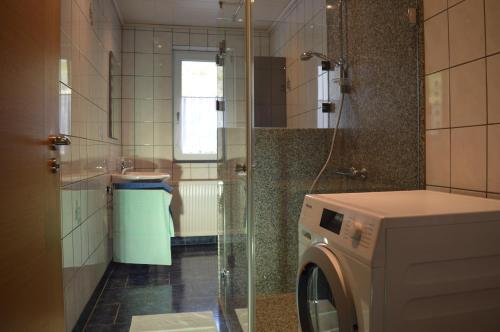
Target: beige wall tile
[453,2]
[466,31]
[494,158]
[438,157]
[437,100]
[468,158]
[468,94]
[493,196]
[439,189]
[468,193]
[432,7]
[492,11]
[436,43]
[493,64]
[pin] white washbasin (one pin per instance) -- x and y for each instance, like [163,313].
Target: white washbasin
[140,176]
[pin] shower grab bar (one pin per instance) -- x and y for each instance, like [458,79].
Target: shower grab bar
[353,173]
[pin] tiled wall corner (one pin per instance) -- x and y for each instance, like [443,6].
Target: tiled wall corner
[462,66]
[86,40]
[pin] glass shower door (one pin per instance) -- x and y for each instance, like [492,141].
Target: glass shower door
[233,170]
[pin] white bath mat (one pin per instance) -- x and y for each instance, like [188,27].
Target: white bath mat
[242,314]
[178,322]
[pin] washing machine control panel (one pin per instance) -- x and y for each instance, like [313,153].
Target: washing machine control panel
[341,226]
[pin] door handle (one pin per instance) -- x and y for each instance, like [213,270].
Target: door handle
[57,140]
[54,165]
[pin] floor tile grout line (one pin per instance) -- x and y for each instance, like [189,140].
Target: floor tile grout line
[97,300]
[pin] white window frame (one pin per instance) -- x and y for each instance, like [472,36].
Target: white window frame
[179,56]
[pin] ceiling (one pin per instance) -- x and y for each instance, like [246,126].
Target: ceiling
[198,12]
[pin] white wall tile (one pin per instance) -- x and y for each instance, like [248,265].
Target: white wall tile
[128,110]
[163,110]
[198,40]
[163,42]
[162,88]
[128,87]
[128,64]
[144,157]
[144,110]
[144,133]
[128,41]
[143,41]
[162,134]
[163,65]
[143,64]
[143,87]
[180,39]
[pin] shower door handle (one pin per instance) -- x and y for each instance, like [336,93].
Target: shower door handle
[240,168]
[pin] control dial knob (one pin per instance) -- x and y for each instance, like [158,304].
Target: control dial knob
[356,230]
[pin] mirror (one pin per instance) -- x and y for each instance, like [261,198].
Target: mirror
[114,98]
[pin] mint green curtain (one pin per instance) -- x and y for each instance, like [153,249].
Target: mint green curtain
[142,227]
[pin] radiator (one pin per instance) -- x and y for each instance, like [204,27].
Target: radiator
[195,208]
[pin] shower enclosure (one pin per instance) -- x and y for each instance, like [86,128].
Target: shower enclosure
[265,172]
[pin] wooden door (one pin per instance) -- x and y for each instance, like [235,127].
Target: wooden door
[30,247]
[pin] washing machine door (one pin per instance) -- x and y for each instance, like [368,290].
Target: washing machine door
[323,297]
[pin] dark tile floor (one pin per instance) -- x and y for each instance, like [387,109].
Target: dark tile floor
[189,284]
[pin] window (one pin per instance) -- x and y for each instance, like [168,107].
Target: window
[195,115]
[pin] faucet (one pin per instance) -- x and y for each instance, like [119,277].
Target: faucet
[126,165]
[353,173]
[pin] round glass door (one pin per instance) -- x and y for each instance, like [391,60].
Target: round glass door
[324,302]
[320,302]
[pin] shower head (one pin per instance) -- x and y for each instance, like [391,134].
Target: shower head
[310,54]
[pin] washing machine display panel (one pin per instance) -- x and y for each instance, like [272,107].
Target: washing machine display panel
[331,220]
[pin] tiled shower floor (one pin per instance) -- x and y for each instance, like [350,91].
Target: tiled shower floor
[189,285]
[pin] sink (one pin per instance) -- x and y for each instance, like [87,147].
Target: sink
[140,176]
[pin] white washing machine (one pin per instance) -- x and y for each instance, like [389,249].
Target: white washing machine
[399,261]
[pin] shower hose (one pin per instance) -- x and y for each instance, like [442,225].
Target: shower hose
[330,154]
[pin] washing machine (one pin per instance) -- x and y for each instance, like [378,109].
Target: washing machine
[399,261]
